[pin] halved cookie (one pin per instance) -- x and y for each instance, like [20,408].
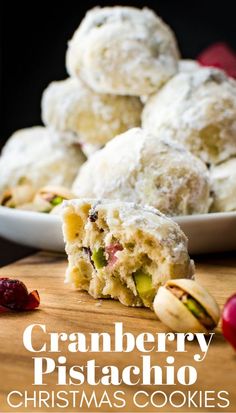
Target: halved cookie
[122,250]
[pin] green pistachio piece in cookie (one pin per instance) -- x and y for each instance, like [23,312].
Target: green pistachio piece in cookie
[99,258]
[143,282]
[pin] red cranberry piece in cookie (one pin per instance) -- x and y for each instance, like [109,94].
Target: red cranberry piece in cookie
[111,251]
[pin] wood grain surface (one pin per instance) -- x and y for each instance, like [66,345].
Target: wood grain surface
[63,309]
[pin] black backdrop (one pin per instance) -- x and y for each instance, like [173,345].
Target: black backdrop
[34,37]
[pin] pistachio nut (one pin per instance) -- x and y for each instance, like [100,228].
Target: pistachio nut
[186,306]
[49,197]
[18,195]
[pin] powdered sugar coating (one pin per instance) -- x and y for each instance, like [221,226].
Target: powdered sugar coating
[138,167]
[188,65]
[40,157]
[123,50]
[89,148]
[196,108]
[147,219]
[70,106]
[223,185]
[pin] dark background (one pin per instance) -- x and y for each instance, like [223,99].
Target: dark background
[34,38]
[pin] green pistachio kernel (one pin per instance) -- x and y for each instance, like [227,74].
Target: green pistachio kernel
[57,200]
[145,289]
[193,306]
[99,258]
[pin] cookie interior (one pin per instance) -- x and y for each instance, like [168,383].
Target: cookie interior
[109,258]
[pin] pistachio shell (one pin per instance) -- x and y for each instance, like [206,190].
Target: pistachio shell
[57,210]
[57,190]
[39,206]
[42,204]
[172,312]
[17,195]
[200,294]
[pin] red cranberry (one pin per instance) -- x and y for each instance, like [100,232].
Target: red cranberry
[111,250]
[219,55]
[229,320]
[33,301]
[13,294]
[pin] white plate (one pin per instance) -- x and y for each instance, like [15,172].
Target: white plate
[206,233]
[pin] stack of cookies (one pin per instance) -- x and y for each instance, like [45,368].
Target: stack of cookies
[156,130]
[132,54]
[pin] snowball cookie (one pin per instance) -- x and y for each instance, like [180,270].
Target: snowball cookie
[198,109]
[121,250]
[38,156]
[123,51]
[137,167]
[223,186]
[70,106]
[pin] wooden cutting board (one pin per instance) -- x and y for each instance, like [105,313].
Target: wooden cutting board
[63,309]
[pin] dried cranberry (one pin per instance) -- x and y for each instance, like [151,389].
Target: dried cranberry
[93,216]
[14,295]
[219,55]
[88,252]
[33,300]
[111,251]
